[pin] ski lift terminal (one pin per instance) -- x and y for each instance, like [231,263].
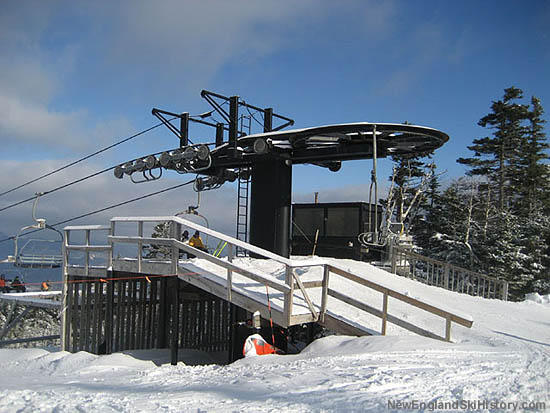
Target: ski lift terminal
[268,157]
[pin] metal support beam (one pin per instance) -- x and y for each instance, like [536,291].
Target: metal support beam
[184,129]
[233,124]
[268,119]
[219,134]
[270,203]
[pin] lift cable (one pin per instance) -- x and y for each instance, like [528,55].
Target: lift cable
[58,188]
[251,114]
[107,208]
[83,159]
[65,185]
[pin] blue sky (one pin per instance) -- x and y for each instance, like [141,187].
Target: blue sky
[78,75]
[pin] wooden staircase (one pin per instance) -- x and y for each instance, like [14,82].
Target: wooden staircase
[241,282]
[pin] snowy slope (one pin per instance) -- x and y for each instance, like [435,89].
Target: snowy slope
[504,357]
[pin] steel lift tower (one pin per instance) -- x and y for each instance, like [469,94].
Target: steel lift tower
[269,156]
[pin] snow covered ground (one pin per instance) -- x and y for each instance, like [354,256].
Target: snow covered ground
[504,358]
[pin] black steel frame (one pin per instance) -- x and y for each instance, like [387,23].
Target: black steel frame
[271,154]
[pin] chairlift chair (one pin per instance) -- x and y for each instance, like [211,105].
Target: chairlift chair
[193,211]
[36,260]
[39,257]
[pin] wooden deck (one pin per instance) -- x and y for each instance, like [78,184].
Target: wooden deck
[34,299]
[293,300]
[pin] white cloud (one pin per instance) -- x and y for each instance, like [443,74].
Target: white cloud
[33,77]
[27,80]
[102,191]
[192,40]
[34,123]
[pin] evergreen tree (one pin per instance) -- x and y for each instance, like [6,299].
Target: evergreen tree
[533,177]
[495,157]
[427,221]
[534,242]
[501,256]
[411,177]
[456,224]
[161,230]
[499,225]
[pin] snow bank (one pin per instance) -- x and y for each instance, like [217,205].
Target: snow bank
[539,299]
[504,357]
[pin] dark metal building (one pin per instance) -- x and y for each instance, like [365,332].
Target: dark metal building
[338,224]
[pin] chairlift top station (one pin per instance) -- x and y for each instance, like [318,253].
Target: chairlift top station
[267,158]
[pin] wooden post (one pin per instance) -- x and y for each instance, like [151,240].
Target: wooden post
[109,315]
[394,253]
[140,245]
[142,303]
[289,297]
[446,277]
[504,291]
[175,230]
[232,333]
[209,325]
[448,328]
[82,316]
[65,320]
[229,272]
[74,317]
[133,313]
[127,313]
[89,314]
[119,314]
[152,314]
[67,312]
[384,313]
[95,317]
[315,243]
[163,310]
[87,243]
[65,327]
[174,321]
[324,296]
[200,324]
[111,232]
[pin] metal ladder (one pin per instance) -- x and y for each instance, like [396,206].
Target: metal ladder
[243,193]
[242,213]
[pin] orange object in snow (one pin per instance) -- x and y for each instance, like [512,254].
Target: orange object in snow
[255,345]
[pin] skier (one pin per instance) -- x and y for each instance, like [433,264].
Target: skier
[196,242]
[45,285]
[185,237]
[18,285]
[3,288]
[185,240]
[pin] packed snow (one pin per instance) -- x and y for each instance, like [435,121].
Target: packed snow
[502,363]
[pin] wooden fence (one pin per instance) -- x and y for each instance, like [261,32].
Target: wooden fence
[130,312]
[442,274]
[383,313]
